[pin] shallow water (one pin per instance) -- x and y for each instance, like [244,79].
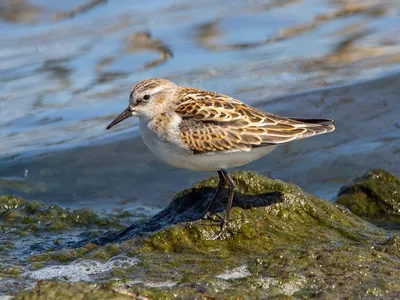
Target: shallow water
[66,71]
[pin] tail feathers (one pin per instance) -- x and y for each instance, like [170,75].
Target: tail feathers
[315,126]
[314,121]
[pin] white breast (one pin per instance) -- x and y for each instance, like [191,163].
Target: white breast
[179,157]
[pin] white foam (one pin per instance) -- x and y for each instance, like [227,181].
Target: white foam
[86,270]
[239,272]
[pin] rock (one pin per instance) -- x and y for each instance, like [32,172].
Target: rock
[375,196]
[37,216]
[265,212]
[76,291]
[281,242]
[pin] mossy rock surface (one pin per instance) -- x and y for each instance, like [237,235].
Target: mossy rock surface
[375,196]
[75,291]
[281,242]
[31,229]
[36,216]
[266,213]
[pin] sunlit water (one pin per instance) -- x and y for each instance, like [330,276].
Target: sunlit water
[65,73]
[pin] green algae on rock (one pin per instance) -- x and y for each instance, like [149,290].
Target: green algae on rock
[10,202]
[266,212]
[76,291]
[375,196]
[276,199]
[34,215]
[29,230]
[282,242]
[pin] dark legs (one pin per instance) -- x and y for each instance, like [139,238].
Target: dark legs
[224,179]
[211,206]
[231,187]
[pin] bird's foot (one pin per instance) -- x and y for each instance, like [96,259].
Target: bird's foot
[209,216]
[220,222]
[220,234]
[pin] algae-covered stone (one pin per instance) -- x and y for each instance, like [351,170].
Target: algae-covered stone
[29,230]
[375,196]
[76,291]
[281,242]
[261,206]
[266,212]
[33,215]
[9,203]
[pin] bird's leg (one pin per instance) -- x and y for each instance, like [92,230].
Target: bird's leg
[211,207]
[231,187]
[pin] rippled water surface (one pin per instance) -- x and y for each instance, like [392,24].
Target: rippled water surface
[66,69]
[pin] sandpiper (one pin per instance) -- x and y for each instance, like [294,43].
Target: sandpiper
[195,129]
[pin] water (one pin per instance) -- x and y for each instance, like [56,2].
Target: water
[65,72]
[85,270]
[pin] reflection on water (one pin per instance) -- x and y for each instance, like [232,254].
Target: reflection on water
[66,69]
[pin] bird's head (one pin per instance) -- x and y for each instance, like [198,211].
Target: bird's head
[147,99]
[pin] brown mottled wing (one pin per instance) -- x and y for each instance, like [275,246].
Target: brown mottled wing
[213,122]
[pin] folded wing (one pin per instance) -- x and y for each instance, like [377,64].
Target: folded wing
[213,122]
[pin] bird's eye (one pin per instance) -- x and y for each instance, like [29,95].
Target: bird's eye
[146,97]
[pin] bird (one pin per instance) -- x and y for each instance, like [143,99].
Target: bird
[196,129]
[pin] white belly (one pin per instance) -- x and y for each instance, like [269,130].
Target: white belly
[179,157]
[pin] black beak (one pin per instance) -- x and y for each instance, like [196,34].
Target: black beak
[122,116]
